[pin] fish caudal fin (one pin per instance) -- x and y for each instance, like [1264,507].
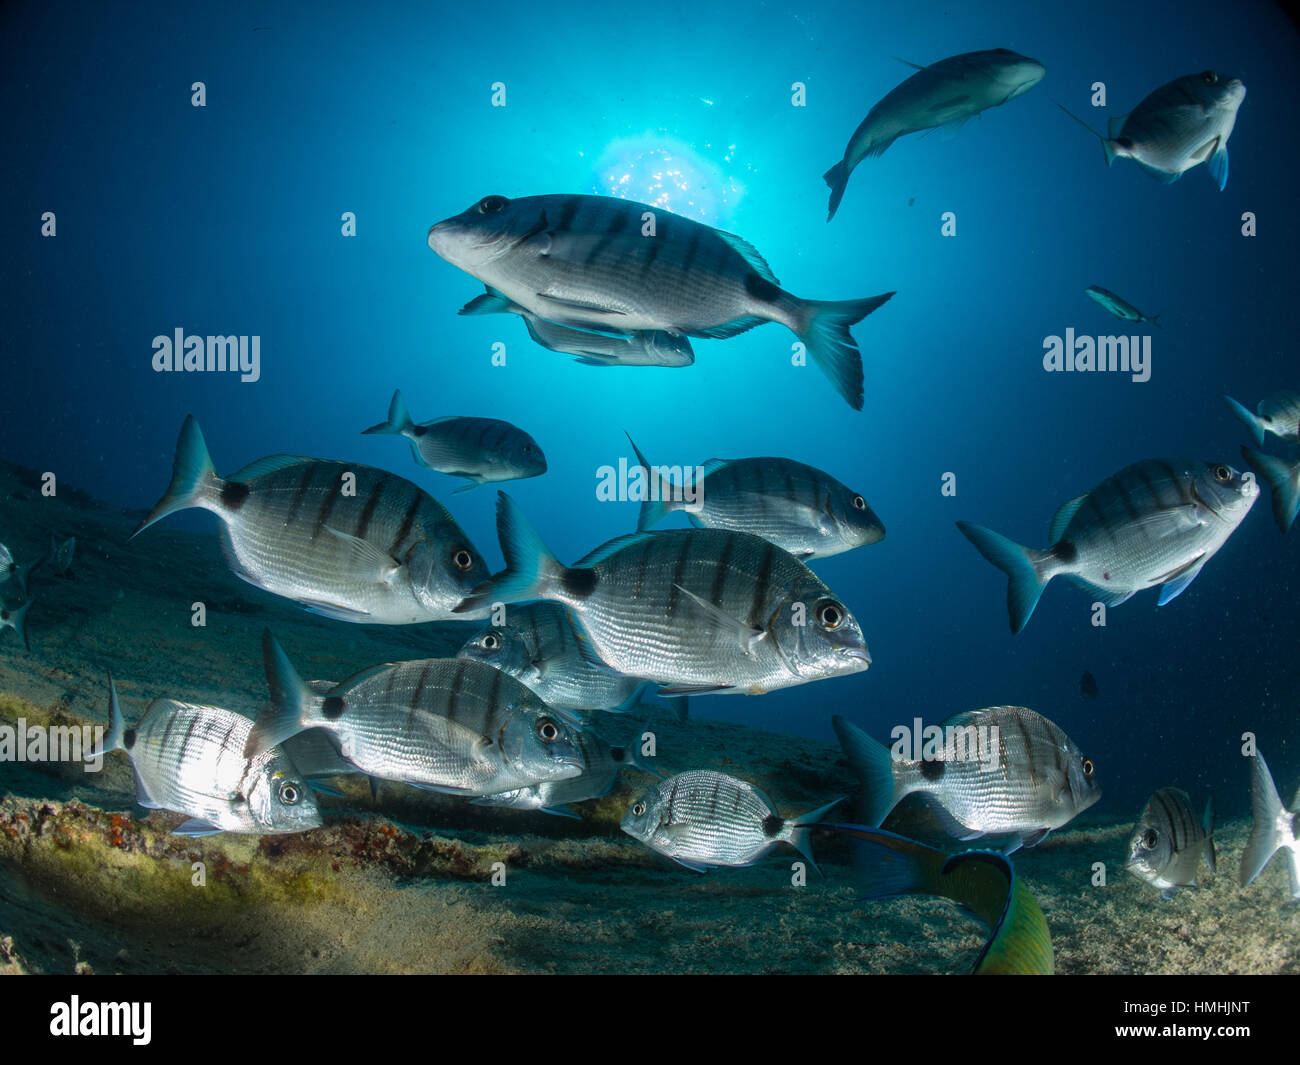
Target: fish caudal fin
[1283,478]
[1252,421]
[16,619]
[1107,145]
[291,701]
[1025,582]
[530,570]
[1266,807]
[799,832]
[656,505]
[837,177]
[115,740]
[874,766]
[399,419]
[194,480]
[826,335]
[1207,823]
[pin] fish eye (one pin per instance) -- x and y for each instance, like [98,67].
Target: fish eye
[1209,77]
[548,730]
[1088,768]
[1149,838]
[289,793]
[859,503]
[830,616]
[638,808]
[491,642]
[1222,473]
[492,204]
[462,559]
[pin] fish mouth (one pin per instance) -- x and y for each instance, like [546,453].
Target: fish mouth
[858,655]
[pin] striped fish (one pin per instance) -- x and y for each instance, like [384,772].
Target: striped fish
[598,263]
[654,348]
[701,818]
[696,610]
[946,93]
[343,540]
[1028,778]
[1273,828]
[1166,846]
[1156,522]
[10,570]
[799,508]
[190,760]
[1279,414]
[480,449]
[444,724]
[1283,479]
[1118,306]
[16,618]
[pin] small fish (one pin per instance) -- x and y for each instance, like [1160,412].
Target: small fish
[1279,414]
[1283,478]
[1177,127]
[10,570]
[946,93]
[1155,522]
[61,553]
[1118,306]
[190,760]
[16,618]
[654,348]
[343,540]
[1166,846]
[701,818]
[1088,686]
[799,508]
[696,610]
[480,449]
[1024,778]
[443,724]
[1274,828]
[583,262]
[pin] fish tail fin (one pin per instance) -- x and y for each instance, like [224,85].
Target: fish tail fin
[837,177]
[1252,421]
[799,831]
[399,418]
[656,506]
[531,569]
[1283,478]
[194,480]
[291,701]
[16,619]
[1207,823]
[491,302]
[115,740]
[1155,321]
[874,767]
[1266,806]
[825,333]
[1025,581]
[1107,145]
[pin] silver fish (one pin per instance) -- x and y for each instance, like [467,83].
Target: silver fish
[16,618]
[190,760]
[1283,478]
[701,818]
[61,553]
[799,508]
[1274,828]
[1004,770]
[480,449]
[1157,521]
[1177,127]
[583,262]
[10,570]
[444,724]
[654,348]
[347,541]
[1118,306]
[1279,414]
[1166,846]
[945,93]
[696,610]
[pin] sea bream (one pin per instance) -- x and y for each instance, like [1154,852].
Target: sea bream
[946,93]
[1006,770]
[1118,306]
[696,610]
[1283,479]
[190,760]
[615,266]
[1278,414]
[1177,127]
[1156,522]
[1166,846]
[444,724]
[344,540]
[480,449]
[799,508]
[655,348]
[1273,828]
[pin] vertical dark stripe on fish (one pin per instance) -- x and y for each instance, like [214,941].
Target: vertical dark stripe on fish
[308,470]
[567,213]
[372,501]
[327,505]
[420,684]
[643,561]
[390,682]
[457,682]
[225,739]
[189,731]
[620,222]
[1181,495]
[692,249]
[1103,522]
[656,245]
[534,632]
[494,692]
[1029,757]
[408,520]
[761,584]
[720,570]
[679,573]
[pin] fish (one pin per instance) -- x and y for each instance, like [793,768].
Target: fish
[1283,479]
[190,759]
[695,610]
[342,540]
[946,93]
[61,552]
[16,618]
[1156,522]
[10,570]
[799,508]
[480,449]
[1273,828]
[1278,414]
[701,818]
[1088,686]
[443,724]
[1118,306]
[1166,846]
[1022,780]
[583,262]
[1177,127]
[983,883]
[655,347]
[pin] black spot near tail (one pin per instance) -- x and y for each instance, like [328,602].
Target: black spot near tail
[580,583]
[233,495]
[332,707]
[1065,552]
[772,825]
[128,738]
[932,769]
[761,289]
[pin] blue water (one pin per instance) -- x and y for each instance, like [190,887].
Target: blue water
[225,219]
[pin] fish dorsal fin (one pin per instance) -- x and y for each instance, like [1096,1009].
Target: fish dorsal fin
[1115,126]
[1175,583]
[1063,517]
[908,63]
[750,254]
[270,464]
[615,545]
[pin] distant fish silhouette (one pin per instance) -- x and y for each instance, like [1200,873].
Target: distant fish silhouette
[1088,686]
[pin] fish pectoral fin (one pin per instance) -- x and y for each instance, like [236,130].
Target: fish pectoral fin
[195,827]
[332,610]
[746,635]
[694,867]
[1033,839]
[908,63]
[561,811]
[693,689]
[1219,166]
[1173,584]
[1206,150]
[579,305]
[368,559]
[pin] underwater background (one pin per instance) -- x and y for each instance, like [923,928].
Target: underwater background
[226,219]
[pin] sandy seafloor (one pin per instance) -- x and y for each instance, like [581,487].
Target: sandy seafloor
[91,882]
